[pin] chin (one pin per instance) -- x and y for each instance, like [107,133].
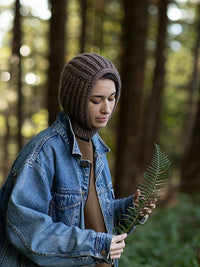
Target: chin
[99,125]
[102,125]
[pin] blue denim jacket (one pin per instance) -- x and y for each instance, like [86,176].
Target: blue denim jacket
[43,199]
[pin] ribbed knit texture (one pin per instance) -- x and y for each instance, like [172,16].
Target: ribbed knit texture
[77,81]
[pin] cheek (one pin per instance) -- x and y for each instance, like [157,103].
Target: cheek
[112,105]
[92,111]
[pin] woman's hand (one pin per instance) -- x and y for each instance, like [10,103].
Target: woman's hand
[117,246]
[149,206]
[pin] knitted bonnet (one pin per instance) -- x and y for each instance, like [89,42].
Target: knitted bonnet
[77,81]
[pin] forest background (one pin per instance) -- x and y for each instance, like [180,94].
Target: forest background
[155,45]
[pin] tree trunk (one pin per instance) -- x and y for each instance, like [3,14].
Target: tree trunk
[134,28]
[15,64]
[5,159]
[190,175]
[56,55]
[193,90]
[190,170]
[152,119]
[83,6]
[98,24]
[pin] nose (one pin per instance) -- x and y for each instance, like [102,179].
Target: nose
[106,109]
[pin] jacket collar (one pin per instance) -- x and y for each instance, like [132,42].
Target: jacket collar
[64,127]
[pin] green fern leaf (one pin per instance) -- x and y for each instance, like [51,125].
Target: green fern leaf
[155,180]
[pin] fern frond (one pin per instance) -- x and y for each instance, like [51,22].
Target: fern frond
[155,180]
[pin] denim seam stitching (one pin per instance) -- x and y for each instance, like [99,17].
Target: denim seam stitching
[39,147]
[4,250]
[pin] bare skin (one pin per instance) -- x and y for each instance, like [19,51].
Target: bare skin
[101,103]
[117,246]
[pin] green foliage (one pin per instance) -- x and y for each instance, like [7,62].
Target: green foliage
[170,238]
[151,187]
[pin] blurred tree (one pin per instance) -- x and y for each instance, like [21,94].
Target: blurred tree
[89,26]
[15,65]
[190,171]
[134,32]
[83,7]
[5,159]
[152,118]
[56,54]
[98,24]
[193,89]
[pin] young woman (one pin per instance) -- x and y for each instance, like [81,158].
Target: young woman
[57,204]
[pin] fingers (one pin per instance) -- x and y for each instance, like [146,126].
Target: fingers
[149,207]
[117,246]
[118,238]
[146,212]
[136,195]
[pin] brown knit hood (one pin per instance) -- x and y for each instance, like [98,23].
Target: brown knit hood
[77,81]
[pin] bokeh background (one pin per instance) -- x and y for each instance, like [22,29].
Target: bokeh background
[155,45]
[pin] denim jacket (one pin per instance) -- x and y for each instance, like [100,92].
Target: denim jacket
[43,199]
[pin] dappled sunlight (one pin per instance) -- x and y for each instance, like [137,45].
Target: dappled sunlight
[31,78]
[5,76]
[25,50]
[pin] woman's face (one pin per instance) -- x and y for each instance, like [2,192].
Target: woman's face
[101,102]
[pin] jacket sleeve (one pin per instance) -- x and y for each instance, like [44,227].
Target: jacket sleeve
[33,233]
[121,208]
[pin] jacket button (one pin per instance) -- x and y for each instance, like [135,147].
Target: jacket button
[103,253]
[83,192]
[84,164]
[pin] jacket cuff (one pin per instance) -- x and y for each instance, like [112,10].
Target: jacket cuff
[143,219]
[102,246]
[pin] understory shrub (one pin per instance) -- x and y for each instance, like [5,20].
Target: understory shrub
[170,237]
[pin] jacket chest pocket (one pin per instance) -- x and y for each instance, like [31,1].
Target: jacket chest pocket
[66,207]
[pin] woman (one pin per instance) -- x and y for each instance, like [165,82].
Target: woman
[57,205]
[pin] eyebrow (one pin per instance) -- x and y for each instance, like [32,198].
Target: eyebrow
[101,96]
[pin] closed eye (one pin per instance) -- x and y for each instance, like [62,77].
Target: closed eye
[96,99]
[111,99]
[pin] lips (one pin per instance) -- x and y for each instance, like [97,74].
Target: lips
[102,120]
